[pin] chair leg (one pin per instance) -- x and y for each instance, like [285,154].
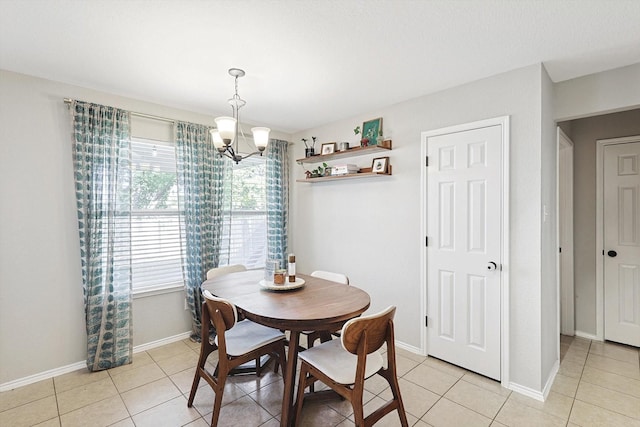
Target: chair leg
[217,403]
[258,366]
[205,350]
[302,384]
[395,390]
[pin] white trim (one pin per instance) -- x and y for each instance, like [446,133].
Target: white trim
[504,306]
[564,213]
[409,348]
[83,365]
[535,394]
[585,335]
[150,291]
[600,144]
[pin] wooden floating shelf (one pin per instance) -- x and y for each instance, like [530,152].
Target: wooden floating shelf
[343,177]
[356,151]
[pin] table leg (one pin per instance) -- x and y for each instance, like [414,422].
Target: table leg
[287,417]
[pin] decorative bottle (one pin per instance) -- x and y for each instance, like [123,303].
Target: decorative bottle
[292,268]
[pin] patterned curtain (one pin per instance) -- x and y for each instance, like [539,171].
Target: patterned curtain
[200,193]
[277,172]
[101,152]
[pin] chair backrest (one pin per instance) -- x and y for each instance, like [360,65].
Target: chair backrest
[328,275]
[219,271]
[377,327]
[227,309]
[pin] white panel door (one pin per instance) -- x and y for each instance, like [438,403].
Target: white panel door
[464,236]
[622,243]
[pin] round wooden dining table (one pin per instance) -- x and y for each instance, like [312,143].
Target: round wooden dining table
[319,305]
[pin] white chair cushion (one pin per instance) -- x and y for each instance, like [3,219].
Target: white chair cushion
[246,336]
[337,363]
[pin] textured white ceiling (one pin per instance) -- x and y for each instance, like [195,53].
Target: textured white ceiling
[308,62]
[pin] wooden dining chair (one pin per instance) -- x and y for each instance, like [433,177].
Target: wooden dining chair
[219,271]
[323,336]
[345,364]
[236,342]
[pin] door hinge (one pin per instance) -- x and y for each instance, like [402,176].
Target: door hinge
[603,252]
[426,321]
[560,250]
[426,161]
[426,240]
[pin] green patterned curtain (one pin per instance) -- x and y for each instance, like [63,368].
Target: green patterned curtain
[101,152]
[200,193]
[277,172]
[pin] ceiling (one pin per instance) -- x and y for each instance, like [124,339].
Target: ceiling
[308,63]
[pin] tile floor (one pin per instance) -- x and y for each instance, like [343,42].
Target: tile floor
[598,384]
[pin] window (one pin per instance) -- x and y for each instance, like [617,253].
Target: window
[244,230]
[155,219]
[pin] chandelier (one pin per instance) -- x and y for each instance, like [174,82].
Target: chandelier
[229,129]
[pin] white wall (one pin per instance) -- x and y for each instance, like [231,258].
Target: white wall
[41,305]
[370,229]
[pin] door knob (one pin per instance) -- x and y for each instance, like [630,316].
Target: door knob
[612,254]
[492,266]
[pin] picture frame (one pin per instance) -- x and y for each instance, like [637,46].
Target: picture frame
[371,129]
[328,148]
[380,165]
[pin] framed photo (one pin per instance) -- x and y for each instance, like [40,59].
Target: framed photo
[328,148]
[380,165]
[371,130]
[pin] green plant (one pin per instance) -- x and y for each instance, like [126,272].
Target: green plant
[356,130]
[319,171]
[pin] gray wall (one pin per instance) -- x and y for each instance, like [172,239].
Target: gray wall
[584,133]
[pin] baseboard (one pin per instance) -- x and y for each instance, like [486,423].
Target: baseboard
[587,336]
[529,392]
[409,348]
[550,379]
[83,365]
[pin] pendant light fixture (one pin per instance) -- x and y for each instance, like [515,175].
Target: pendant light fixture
[227,134]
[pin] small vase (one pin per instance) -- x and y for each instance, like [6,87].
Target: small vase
[308,152]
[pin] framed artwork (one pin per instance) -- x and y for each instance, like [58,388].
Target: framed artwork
[328,148]
[371,130]
[380,165]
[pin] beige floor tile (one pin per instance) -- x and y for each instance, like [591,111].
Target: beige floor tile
[168,350]
[571,369]
[179,362]
[139,359]
[149,395]
[183,380]
[251,383]
[517,414]
[270,397]
[565,385]
[577,356]
[77,378]
[84,395]
[193,345]
[172,413]
[446,413]
[30,413]
[375,384]
[203,401]
[476,398]
[29,393]
[497,424]
[102,413]
[409,355]
[53,422]
[344,407]
[137,377]
[619,352]
[609,399]
[127,422]
[587,415]
[626,369]
[417,400]
[404,365]
[200,422]
[241,412]
[431,379]
[582,343]
[486,383]
[447,368]
[556,404]
[318,414]
[611,381]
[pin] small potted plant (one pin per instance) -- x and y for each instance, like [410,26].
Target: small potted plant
[319,171]
[356,132]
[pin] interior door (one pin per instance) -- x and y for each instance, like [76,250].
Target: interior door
[622,243]
[464,214]
[565,233]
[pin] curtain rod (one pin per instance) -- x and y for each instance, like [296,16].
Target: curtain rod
[68,101]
